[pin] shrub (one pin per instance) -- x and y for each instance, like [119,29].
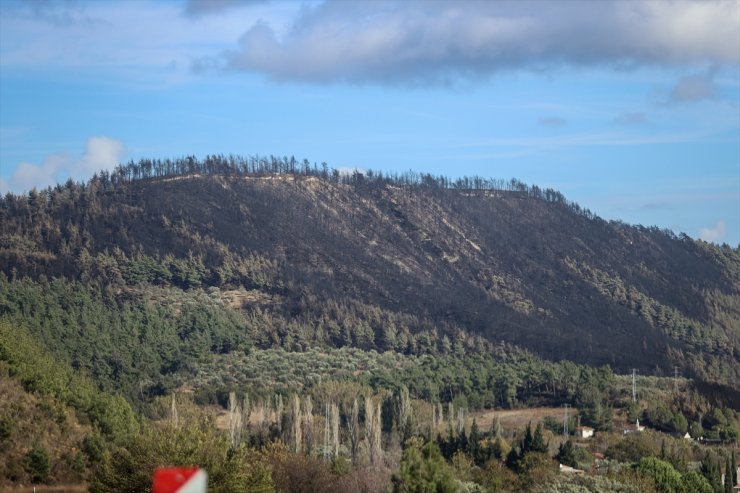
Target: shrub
[36,463]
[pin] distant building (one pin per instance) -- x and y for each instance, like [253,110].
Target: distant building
[637,428]
[570,470]
[710,441]
[584,432]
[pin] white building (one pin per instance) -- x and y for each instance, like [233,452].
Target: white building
[584,432]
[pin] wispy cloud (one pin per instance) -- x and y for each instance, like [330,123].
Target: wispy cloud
[714,234]
[693,88]
[205,7]
[101,153]
[428,43]
[590,139]
[553,121]
[654,206]
[631,118]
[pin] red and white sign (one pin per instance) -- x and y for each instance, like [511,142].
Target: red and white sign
[180,480]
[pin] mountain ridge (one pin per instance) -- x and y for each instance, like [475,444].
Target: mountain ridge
[492,259]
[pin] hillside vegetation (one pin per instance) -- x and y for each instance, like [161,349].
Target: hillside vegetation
[412,264]
[291,328]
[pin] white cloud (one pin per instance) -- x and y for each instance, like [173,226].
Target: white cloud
[442,42]
[144,42]
[101,153]
[715,234]
[364,41]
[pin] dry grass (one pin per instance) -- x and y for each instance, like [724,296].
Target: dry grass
[512,419]
[59,488]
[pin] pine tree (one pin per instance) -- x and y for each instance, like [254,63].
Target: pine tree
[566,454]
[538,441]
[474,448]
[512,459]
[526,443]
[37,464]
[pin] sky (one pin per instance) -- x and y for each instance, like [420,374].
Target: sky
[630,108]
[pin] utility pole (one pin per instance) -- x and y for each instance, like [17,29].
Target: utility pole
[634,386]
[565,420]
[675,379]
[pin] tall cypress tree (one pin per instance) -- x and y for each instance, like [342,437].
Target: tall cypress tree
[728,476]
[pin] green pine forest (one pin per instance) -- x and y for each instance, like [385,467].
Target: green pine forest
[293,328]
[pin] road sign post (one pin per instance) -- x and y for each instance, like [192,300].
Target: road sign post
[179,480]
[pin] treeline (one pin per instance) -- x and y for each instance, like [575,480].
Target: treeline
[260,166]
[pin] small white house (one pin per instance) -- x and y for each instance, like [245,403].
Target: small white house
[584,432]
[570,470]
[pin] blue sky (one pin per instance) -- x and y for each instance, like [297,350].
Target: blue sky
[630,108]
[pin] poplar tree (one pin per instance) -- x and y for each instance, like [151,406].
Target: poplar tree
[308,420]
[353,429]
[297,435]
[335,429]
[173,413]
[377,435]
[235,421]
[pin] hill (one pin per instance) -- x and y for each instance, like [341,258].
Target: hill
[413,264]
